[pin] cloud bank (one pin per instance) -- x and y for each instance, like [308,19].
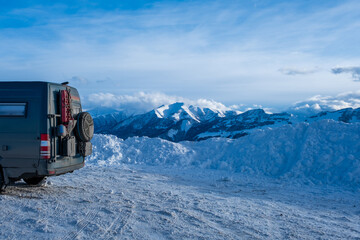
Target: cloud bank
[142,102]
[327,103]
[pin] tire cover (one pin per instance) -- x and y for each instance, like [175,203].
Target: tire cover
[84,127]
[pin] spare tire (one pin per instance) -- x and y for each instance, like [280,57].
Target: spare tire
[84,127]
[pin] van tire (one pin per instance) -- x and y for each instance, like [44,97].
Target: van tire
[2,181]
[34,180]
[84,127]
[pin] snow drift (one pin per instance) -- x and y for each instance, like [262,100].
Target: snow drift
[323,152]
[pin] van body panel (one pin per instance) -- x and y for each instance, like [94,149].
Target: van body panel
[27,110]
[19,136]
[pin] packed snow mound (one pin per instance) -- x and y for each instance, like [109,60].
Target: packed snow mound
[109,150]
[326,152]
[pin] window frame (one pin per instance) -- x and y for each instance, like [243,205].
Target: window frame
[25,104]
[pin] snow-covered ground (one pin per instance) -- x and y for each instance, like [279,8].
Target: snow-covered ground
[142,202]
[295,182]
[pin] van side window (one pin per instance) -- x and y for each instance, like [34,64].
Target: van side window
[13,109]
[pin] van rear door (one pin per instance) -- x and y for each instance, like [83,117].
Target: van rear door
[22,114]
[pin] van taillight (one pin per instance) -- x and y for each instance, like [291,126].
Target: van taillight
[45,146]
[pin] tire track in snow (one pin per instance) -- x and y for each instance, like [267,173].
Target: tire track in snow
[82,224]
[58,209]
[118,226]
[201,219]
[120,223]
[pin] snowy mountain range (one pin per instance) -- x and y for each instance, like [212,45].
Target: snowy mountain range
[178,122]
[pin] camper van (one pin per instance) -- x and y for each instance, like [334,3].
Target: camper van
[43,131]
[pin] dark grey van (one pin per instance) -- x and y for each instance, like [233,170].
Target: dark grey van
[43,131]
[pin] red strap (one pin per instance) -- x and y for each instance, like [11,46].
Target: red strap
[65,107]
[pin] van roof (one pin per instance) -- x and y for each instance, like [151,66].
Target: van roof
[30,82]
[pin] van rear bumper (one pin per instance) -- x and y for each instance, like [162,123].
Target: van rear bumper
[64,165]
[60,166]
[63,170]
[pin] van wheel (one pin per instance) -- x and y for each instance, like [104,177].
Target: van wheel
[2,181]
[34,180]
[84,127]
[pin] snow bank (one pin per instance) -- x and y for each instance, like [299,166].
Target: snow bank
[110,150]
[323,152]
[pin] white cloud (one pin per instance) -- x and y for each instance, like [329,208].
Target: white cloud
[327,103]
[142,102]
[298,71]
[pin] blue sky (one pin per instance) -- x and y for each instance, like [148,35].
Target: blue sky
[271,53]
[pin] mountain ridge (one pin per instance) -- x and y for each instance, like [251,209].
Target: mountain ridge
[178,122]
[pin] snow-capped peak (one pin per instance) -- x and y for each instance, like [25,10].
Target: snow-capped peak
[179,122]
[176,111]
[160,111]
